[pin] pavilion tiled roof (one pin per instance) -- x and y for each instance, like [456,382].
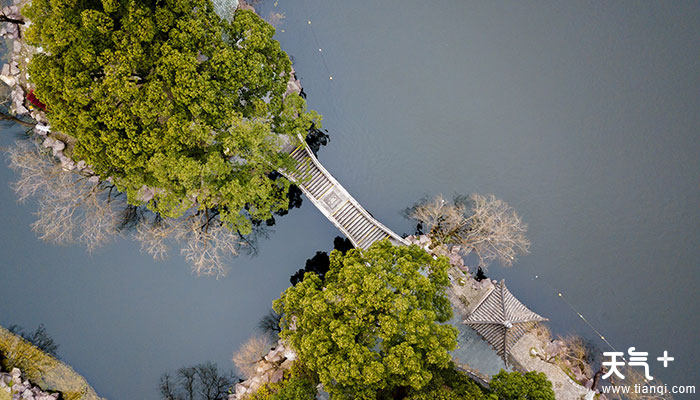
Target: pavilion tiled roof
[501,319]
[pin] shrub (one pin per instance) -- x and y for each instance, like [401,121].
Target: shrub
[518,386]
[250,353]
[39,338]
[20,353]
[449,384]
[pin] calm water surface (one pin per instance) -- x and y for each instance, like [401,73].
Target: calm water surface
[584,117]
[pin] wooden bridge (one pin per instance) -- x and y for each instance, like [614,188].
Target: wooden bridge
[335,202]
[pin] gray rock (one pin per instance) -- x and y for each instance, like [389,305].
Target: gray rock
[48,142]
[276,376]
[66,162]
[42,129]
[145,193]
[20,109]
[59,145]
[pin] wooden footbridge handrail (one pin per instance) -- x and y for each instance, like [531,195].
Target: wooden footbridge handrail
[336,204]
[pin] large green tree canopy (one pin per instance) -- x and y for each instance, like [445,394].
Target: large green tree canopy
[531,385]
[373,324]
[168,96]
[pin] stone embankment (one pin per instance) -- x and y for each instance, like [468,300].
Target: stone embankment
[269,369]
[15,76]
[13,384]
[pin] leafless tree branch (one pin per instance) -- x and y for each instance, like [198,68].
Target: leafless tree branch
[250,352]
[72,208]
[484,225]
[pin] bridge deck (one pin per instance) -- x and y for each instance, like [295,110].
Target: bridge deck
[335,202]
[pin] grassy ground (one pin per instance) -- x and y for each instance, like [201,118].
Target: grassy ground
[4,395]
[41,369]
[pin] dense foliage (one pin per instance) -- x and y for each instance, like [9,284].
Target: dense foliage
[373,324]
[450,384]
[181,108]
[517,386]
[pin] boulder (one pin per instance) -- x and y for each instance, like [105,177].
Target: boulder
[240,391]
[286,364]
[59,145]
[276,376]
[14,68]
[42,129]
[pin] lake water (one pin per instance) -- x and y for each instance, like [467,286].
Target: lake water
[583,116]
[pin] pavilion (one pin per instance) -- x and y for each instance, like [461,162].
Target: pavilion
[501,319]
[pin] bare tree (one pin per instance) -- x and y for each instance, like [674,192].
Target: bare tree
[72,207]
[444,220]
[542,332]
[167,388]
[39,338]
[483,225]
[250,353]
[212,385]
[270,323]
[575,355]
[199,382]
[155,235]
[36,170]
[207,243]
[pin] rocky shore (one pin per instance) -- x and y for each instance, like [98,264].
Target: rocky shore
[23,104]
[13,384]
[269,369]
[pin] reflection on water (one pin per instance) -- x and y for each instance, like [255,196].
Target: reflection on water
[473,351]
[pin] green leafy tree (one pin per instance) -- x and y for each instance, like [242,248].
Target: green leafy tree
[373,325]
[181,108]
[517,386]
[450,384]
